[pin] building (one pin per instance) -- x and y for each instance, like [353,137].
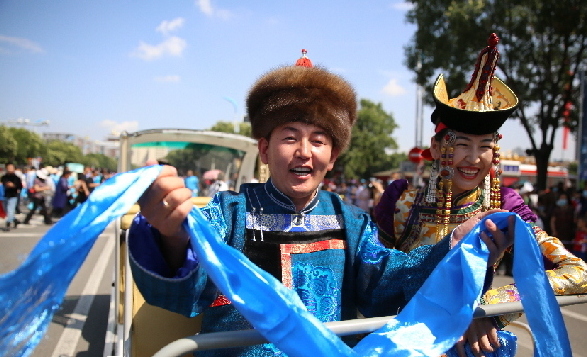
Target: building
[109,147]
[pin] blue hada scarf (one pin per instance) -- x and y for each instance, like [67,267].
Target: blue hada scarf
[429,325]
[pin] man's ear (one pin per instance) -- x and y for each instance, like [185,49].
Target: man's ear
[434,148]
[263,146]
[334,155]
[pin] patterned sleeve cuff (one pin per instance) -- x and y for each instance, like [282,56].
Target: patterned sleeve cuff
[508,293]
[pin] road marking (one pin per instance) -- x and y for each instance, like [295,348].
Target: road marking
[18,234]
[573,315]
[73,331]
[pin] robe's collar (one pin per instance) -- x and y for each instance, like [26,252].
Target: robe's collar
[281,199]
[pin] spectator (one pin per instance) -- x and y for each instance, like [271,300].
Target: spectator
[61,198]
[562,221]
[12,185]
[81,190]
[39,198]
[218,185]
[193,183]
[91,183]
[580,241]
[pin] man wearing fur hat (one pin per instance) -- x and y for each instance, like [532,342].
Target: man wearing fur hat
[309,239]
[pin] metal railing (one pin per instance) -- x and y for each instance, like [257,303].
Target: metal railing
[341,328]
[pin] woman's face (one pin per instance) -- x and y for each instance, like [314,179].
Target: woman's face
[472,158]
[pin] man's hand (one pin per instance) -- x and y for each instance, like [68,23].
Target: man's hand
[497,242]
[165,205]
[482,337]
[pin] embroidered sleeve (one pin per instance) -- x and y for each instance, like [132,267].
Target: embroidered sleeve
[388,278]
[385,210]
[569,273]
[186,291]
[566,273]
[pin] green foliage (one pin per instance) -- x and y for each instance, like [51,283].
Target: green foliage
[543,45]
[371,136]
[60,151]
[100,160]
[228,127]
[31,144]
[18,145]
[8,145]
[573,168]
[188,159]
[202,157]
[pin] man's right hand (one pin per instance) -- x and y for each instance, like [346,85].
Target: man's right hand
[165,205]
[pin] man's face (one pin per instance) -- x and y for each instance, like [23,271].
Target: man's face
[298,155]
[10,168]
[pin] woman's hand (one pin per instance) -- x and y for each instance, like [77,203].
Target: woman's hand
[497,242]
[481,336]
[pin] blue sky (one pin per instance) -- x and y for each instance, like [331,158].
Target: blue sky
[93,67]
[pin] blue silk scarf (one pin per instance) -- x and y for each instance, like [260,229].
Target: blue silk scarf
[428,326]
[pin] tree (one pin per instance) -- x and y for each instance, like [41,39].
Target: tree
[8,145]
[371,136]
[228,127]
[30,144]
[58,152]
[100,160]
[543,44]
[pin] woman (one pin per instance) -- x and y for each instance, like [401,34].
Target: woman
[465,181]
[81,190]
[562,221]
[39,197]
[61,197]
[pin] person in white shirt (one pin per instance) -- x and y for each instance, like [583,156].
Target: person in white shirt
[218,185]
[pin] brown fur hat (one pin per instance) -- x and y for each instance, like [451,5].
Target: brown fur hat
[300,94]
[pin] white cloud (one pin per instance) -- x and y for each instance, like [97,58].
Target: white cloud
[173,46]
[117,128]
[205,7]
[392,88]
[22,43]
[169,26]
[170,79]
[402,6]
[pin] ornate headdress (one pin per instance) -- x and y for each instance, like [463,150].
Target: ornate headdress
[481,108]
[303,93]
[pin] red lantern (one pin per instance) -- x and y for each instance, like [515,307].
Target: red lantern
[415,155]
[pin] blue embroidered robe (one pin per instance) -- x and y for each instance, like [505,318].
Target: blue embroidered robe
[329,253]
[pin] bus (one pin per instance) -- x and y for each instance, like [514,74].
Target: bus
[135,328]
[515,173]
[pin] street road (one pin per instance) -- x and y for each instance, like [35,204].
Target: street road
[79,326]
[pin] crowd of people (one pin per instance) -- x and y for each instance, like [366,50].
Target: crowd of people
[208,187]
[562,212]
[561,209]
[52,192]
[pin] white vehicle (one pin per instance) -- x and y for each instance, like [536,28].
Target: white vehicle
[136,328]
